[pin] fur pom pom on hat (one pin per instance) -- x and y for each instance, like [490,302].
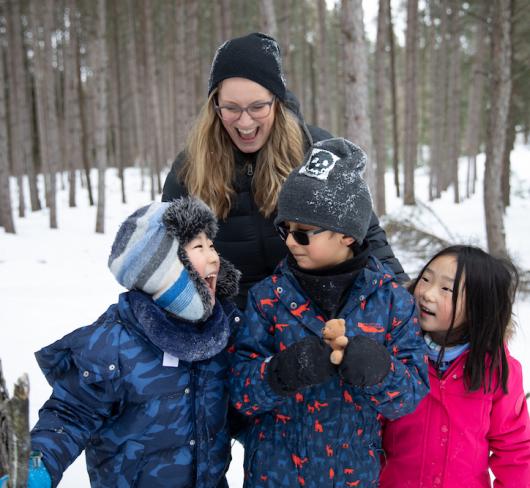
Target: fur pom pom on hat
[255,57]
[148,255]
[328,190]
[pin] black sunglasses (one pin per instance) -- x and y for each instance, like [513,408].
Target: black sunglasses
[300,236]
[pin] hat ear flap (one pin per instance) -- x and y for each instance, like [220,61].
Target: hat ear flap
[227,280]
[202,309]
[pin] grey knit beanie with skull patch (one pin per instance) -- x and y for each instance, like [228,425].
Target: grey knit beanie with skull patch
[328,190]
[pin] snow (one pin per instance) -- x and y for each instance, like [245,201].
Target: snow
[56,280]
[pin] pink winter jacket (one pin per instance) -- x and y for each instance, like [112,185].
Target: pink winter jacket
[454,436]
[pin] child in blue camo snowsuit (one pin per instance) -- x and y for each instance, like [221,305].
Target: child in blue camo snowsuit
[315,424]
[143,389]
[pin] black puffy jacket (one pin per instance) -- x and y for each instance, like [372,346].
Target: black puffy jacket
[248,239]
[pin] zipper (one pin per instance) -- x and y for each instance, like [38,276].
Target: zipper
[250,169]
[254,210]
[193,420]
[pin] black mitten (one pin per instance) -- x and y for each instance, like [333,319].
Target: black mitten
[305,363]
[365,362]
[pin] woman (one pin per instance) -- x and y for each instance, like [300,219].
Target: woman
[246,140]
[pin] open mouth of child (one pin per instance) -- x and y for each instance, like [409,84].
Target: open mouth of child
[426,311]
[211,281]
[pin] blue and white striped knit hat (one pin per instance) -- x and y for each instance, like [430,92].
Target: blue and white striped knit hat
[147,254]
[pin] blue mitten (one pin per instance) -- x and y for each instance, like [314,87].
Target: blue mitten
[38,476]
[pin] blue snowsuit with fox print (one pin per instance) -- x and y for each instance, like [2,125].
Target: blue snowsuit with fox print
[328,435]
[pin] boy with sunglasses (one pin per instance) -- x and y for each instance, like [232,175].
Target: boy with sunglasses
[316,424]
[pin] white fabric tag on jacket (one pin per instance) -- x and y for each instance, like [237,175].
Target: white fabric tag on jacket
[170,361]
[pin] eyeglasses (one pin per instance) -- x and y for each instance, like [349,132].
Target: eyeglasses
[256,110]
[300,236]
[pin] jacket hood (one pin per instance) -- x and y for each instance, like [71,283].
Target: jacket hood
[293,105]
[185,340]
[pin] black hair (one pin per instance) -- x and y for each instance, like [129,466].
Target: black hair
[489,287]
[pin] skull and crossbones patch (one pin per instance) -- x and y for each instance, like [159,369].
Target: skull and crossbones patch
[319,165]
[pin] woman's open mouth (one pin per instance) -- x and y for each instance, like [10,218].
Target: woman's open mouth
[247,135]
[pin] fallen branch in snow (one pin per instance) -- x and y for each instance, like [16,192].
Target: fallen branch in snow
[419,244]
[14,431]
[422,244]
[524,281]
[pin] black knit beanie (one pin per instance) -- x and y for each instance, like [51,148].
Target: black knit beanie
[328,190]
[256,57]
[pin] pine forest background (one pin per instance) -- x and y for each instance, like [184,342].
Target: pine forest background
[115,83]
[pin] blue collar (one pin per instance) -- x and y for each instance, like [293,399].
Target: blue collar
[450,353]
[187,341]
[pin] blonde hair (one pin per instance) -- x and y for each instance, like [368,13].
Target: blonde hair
[209,168]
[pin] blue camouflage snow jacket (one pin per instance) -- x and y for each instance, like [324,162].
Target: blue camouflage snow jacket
[327,435]
[141,423]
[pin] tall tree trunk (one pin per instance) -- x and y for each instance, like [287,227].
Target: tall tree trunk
[226,20]
[46,101]
[475,106]
[439,89]
[116,97]
[23,136]
[500,101]
[295,57]
[182,78]
[337,120]
[454,99]
[304,93]
[443,169]
[72,103]
[15,115]
[40,93]
[268,18]
[83,118]
[393,91]
[313,82]
[152,79]
[380,90]
[424,95]
[134,78]
[168,101]
[6,212]
[508,147]
[192,57]
[147,105]
[511,120]
[357,117]
[52,141]
[323,95]
[411,116]
[101,111]
[285,40]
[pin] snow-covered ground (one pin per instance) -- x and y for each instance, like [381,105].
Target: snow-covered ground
[53,281]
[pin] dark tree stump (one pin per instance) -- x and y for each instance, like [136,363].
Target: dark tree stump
[14,431]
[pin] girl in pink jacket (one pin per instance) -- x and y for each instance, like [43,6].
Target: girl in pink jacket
[475,418]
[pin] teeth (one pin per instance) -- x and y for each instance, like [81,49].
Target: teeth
[246,132]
